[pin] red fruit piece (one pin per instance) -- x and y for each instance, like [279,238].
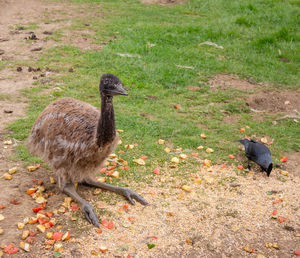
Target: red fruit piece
[31,240]
[49,214]
[223,166]
[297,252]
[276,201]
[281,219]
[240,167]
[74,207]
[231,156]
[110,225]
[37,209]
[125,206]
[144,157]
[2,207]
[195,154]
[32,234]
[156,171]
[57,236]
[14,201]
[274,212]
[131,219]
[10,249]
[283,159]
[103,170]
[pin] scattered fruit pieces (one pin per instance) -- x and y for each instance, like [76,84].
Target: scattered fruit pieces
[248,249]
[112,156]
[242,130]
[103,249]
[203,136]
[11,249]
[223,166]
[106,224]
[156,171]
[8,142]
[264,140]
[1,217]
[12,170]
[21,225]
[144,157]
[197,181]
[269,245]
[150,246]
[49,235]
[115,174]
[209,150]
[14,201]
[52,180]
[66,236]
[195,154]
[283,159]
[274,212]
[7,176]
[140,162]
[41,228]
[25,246]
[33,168]
[120,130]
[281,219]
[57,236]
[207,162]
[176,106]
[161,141]
[2,207]
[231,156]
[297,252]
[285,173]
[31,191]
[58,247]
[183,156]
[40,200]
[240,167]
[167,149]
[101,179]
[186,188]
[200,147]
[129,146]
[175,160]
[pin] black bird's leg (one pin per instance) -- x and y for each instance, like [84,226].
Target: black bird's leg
[249,167]
[87,208]
[126,192]
[262,169]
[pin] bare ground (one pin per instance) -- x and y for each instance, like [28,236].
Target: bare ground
[227,214]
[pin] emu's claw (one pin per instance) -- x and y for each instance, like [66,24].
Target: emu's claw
[90,214]
[131,196]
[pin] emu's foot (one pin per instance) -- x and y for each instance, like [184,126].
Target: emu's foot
[90,214]
[131,196]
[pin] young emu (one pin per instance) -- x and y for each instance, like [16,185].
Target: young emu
[75,139]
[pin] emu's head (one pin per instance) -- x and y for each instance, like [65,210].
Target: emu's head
[110,85]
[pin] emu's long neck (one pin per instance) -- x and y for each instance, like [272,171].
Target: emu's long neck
[106,130]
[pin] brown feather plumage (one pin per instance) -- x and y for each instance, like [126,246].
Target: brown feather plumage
[65,135]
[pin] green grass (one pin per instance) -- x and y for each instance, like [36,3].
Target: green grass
[254,34]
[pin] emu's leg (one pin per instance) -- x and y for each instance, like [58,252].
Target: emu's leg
[126,192]
[87,208]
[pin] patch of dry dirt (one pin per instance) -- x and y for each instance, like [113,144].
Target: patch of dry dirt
[229,81]
[275,101]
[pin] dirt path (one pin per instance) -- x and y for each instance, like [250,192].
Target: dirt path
[226,214]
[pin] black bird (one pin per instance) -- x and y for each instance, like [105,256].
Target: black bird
[259,154]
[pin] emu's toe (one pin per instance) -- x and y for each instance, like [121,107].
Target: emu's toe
[131,196]
[90,215]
